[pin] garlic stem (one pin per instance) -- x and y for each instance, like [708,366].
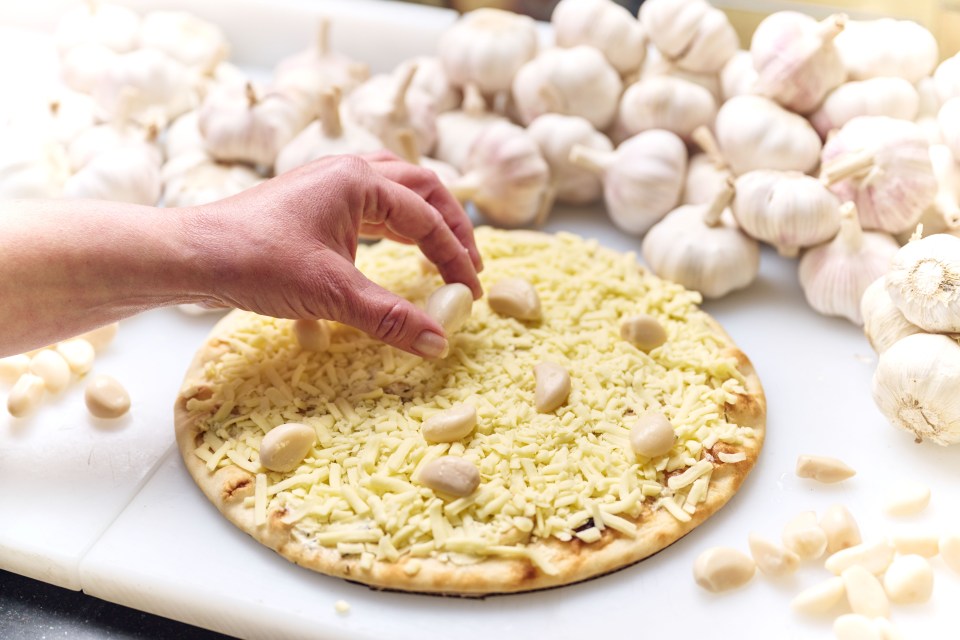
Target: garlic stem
[841,168]
[590,159]
[251,94]
[330,113]
[473,103]
[408,144]
[831,26]
[93,6]
[917,233]
[708,144]
[721,201]
[466,186]
[400,97]
[851,234]
[322,42]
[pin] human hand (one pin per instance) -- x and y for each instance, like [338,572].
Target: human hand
[286,248]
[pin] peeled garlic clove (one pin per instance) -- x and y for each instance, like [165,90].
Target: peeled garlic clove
[721,568]
[319,68]
[803,536]
[756,133]
[285,446]
[450,306]
[892,97]
[908,580]
[12,367]
[841,529]
[874,556]
[866,51]
[126,174]
[690,32]
[865,593]
[907,498]
[103,23]
[451,425]
[451,475]
[556,135]
[834,275]
[603,25]
[552,386]
[664,102]
[738,77]
[642,179]
[457,130]
[199,44]
[819,598]
[773,560]
[923,283]
[515,298]
[106,398]
[652,435]
[853,626]
[575,82]
[78,354]
[883,324]
[100,337]
[25,395]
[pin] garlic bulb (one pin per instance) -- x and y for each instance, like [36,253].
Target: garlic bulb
[700,247]
[603,25]
[928,101]
[447,174]
[60,114]
[786,209]
[949,120]
[946,78]
[642,179]
[196,43]
[664,102]
[883,324]
[120,132]
[242,124]
[738,77]
[164,88]
[183,135]
[915,387]
[31,166]
[835,274]
[129,173]
[943,215]
[924,282]
[795,59]
[457,130]
[656,65]
[195,178]
[319,69]
[430,79]
[884,166]
[326,136]
[506,177]
[690,32]
[707,172]
[95,22]
[82,66]
[575,82]
[756,133]
[887,48]
[892,97]
[556,135]
[487,47]
[387,105]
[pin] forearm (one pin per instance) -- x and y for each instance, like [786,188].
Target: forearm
[70,266]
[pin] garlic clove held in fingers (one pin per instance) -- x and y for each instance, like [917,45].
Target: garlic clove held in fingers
[883,324]
[556,135]
[924,283]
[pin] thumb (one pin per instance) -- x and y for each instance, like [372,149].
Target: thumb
[385,315]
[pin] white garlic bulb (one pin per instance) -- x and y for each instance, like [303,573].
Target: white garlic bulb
[756,133]
[556,135]
[884,166]
[129,173]
[883,324]
[892,97]
[82,66]
[95,22]
[642,179]
[835,274]
[194,178]
[915,387]
[949,120]
[946,78]
[183,135]
[656,65]
[923,282]
[447,174]
[430,79]
[386,105]
[795,59]
[196,43]
[319,68]
[707,172]
[120,132]
[693,34]
[943,215]
[457,130]
[242,124]
[664,102]
[738,77]
[163,87]
[326,136]
[575,82]
[506,177]
[60,114]
[887,48]
[31,166]
[786,209]
[929,101]
[486,48]
[700,247]
[603,25]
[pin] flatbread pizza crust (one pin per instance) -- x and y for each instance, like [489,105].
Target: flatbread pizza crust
[229,488]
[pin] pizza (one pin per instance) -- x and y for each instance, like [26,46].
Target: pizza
[562,496]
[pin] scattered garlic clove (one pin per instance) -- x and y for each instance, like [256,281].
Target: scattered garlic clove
[834,275]
[950,551]
[920,542]
[803,536]
[665,102]
[691,33]
[841,529]
[891,97]
[556,135]
[515,298]
[451,475]
[552,386]
[823,469]
[96,22]
[721,568]
[458,130]
[866,51]
[285,446]
[853,626]
[652,435]
[194,42]
[642,179]
[194,178]
[907,498]
[908,580]
[915,385]
[52,368]
[106,398]
[319,69]
[12,367]
[451,425]
[100,337]
[644,332]
[312,335]
[874,556]
[487,47]
[738,77]
[603,25]
[773,560]
[883,324]
[796,62]
[78,354]
[819,598]
[25,395]
[865,593]
[756,133]
[701,247]
[923,283]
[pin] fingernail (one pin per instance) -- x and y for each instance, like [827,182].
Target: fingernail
[430,345]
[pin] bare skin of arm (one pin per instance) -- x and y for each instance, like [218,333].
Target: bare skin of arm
[285,248]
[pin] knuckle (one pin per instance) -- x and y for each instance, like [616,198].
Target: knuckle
[393,323]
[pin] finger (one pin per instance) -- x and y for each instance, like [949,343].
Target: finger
[382,314]
[410,216]
[377,231]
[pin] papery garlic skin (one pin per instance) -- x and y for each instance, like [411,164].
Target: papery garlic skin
[691,33]
[892,97]
[162,87]
[31,166]
[195,178]
[915,387]
[556,135]
[318,68]
[457,130]
[924,282]
[898,186]
[487,47]
[795,59]
[82,66]
[883,324]
[668,103]
[887,48]
[786,209]
[129,173]
[110,25]
[603,25]
[756,133]
[196,43]
[835,274]
[386,106]
[576,82]
[738,77]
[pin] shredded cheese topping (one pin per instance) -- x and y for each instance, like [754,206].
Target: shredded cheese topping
[566,474]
